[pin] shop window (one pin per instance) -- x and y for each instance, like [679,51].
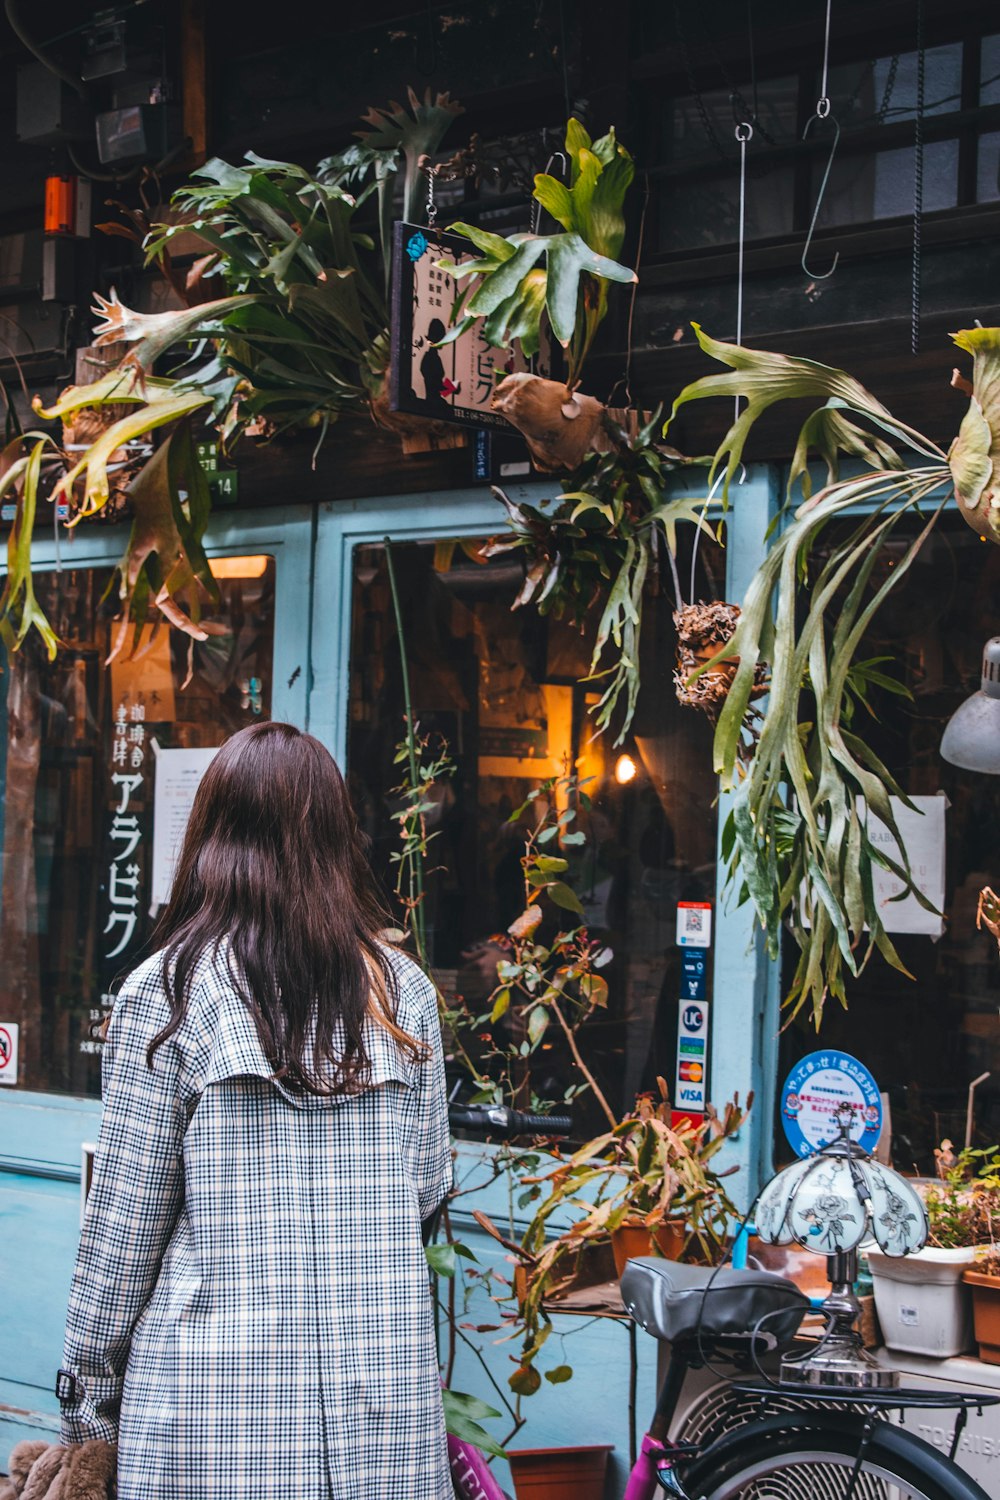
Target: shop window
[91,786]
[874,100]
[927,1038]
[503,689]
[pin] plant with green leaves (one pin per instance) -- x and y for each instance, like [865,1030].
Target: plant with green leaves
[644,1169]
[300,338]
[965,1209]
[545,981]
[600,541]
[797,837]
[512,290]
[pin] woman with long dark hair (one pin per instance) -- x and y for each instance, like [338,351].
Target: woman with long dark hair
[250,1314]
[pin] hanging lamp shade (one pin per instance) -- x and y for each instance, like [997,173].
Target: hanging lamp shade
[972,737]
[832,1202]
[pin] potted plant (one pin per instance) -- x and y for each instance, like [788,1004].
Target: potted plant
[923,1300]
[560,1473]
[646,1184]
[984,1279]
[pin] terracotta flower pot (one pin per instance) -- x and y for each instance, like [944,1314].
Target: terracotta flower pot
[631,1240]
[560,1473]
[986,1314]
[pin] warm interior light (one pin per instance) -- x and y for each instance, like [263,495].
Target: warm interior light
[625,769]
[239,567]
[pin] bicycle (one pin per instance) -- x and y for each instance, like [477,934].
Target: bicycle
[822,1445]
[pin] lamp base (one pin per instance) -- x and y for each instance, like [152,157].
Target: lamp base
[839,1360]
[838,1364]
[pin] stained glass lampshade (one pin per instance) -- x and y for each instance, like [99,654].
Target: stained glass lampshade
[832,1202]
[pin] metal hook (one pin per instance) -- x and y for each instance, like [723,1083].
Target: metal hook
[822,113]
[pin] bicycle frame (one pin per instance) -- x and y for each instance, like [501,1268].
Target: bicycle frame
[471,1475]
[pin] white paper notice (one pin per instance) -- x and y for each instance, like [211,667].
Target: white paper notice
[178,776]
[924,839]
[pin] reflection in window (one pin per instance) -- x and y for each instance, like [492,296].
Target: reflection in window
[79,743]
[503,689]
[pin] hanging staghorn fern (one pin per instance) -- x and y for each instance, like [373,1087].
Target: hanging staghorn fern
[796,839]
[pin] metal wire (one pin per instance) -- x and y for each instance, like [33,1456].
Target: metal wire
[824,80]
[744,134]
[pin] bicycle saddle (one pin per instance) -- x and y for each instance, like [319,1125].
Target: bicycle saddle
[688,1304]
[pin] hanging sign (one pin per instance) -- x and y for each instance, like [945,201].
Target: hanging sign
[450,384]
[9,1031]
[821,1087]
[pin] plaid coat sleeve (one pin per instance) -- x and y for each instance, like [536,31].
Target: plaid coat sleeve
[426,1136]
[133,1205]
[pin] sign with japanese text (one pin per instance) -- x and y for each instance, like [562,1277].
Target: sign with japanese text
[178,777]
[127,798]
[819,1091]
[923,833]
[454,383]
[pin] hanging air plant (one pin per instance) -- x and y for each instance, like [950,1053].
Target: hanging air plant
[797,837]
[564,277]
[300,339]
[703,630]
[598,543]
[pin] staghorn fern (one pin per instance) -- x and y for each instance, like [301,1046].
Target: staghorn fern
[797,834]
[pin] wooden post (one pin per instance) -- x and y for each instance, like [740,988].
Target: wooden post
[194,80]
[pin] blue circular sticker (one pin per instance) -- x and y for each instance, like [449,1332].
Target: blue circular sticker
[819,1086]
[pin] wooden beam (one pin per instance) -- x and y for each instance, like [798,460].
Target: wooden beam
[194,80]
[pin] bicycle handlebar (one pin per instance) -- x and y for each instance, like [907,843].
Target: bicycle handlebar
[497,1120]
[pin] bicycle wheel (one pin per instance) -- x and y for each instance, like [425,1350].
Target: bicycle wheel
[770,1460]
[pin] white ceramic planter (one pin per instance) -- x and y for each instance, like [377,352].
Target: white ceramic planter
[923,1306]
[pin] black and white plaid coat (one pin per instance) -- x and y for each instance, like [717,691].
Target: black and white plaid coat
[250,1313]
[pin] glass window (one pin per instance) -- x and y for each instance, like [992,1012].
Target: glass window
[80,745]
[926,1039]
[879,185]
[504,690]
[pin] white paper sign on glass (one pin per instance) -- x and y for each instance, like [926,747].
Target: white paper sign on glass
[178,776]
[923,835]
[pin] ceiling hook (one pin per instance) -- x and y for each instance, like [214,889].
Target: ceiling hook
[822,113]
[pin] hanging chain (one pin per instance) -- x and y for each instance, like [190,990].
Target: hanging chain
[918,184]
[890,84]
[432,212]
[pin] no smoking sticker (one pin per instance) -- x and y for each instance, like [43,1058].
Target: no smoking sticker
[8,1051]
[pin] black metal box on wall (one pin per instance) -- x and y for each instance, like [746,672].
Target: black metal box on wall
[48,111]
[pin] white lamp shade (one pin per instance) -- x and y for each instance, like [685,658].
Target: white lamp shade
[832,1202]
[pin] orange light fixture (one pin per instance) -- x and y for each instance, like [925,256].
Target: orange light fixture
[239,567]
[60,205]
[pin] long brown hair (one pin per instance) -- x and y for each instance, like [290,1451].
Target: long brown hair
[273,866]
